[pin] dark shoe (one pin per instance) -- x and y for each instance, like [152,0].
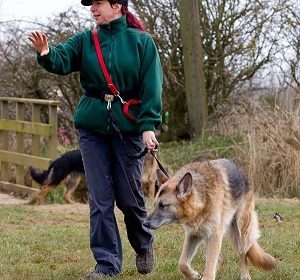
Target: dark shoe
[95,276]
[145,261]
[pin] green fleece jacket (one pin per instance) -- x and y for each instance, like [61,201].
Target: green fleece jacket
[133,63]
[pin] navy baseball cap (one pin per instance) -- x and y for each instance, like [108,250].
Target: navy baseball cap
[89,2]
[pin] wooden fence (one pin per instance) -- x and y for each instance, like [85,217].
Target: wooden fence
[14,128]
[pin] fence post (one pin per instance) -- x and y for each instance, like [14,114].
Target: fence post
[36,144]
[4,140]
[53,137]
[20,144]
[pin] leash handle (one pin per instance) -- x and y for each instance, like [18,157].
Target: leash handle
[126,108]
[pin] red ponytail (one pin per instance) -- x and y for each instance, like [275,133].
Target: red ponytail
[132,20]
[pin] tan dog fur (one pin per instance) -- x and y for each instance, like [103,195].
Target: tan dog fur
[209,199]
[71,182]
[149,175]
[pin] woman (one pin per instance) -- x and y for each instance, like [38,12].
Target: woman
[109,141]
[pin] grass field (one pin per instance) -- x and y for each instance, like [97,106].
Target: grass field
[51,242]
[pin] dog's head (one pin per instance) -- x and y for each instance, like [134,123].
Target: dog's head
[173,201]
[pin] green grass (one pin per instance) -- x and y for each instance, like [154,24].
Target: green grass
[211,146]
[52,242]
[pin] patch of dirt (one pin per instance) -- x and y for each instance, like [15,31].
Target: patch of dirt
[6,199]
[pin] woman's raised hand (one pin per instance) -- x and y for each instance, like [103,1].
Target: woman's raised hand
[40,42]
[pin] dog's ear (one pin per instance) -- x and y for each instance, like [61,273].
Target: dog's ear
[184,188]
[161,176]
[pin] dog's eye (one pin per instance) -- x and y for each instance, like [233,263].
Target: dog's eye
[162,206]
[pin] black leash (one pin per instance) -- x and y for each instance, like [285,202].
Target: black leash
[163,170]
[143,153]
[140,153]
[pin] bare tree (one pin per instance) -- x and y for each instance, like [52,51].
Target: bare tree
[21,76]
[289,56]
[238,41]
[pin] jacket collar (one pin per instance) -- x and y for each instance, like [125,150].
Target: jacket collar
[115,25]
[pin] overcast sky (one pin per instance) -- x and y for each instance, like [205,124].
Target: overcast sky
[31,9]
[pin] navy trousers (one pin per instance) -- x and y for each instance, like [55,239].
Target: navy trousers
[114,178]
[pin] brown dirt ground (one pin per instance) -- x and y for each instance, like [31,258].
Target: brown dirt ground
[6,199]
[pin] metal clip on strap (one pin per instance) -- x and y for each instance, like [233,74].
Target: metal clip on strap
[121,99]
[109,98]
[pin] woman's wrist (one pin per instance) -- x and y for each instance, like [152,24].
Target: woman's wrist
[44,52]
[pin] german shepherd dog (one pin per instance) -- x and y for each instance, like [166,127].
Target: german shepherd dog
[209,199]
[68,168]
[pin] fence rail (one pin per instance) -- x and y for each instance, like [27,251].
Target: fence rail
[21,117]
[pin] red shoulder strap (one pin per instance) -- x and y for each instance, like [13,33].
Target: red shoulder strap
[110,84]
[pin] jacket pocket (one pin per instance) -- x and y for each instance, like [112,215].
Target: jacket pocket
[91,114]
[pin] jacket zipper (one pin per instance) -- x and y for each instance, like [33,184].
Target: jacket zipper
[111,50]
[110,126]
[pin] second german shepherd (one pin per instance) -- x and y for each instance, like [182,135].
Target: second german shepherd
[208,199]
[68,168]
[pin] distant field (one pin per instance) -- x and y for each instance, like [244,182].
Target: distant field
[51,242]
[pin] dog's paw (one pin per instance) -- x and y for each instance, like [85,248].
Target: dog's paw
[196,276]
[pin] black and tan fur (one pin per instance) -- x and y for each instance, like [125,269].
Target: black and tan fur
[68,168]
[211,199]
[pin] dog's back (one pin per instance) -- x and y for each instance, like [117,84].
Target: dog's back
[59,169]
[237,180]
[66,164]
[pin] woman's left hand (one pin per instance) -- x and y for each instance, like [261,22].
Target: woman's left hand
[150,140]
[40,42]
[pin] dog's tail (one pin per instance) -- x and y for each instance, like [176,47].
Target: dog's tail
[259,258]
[248,230]
[39,177]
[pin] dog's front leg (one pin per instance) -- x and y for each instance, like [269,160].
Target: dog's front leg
[213,250]
[190,247]
[42,195]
